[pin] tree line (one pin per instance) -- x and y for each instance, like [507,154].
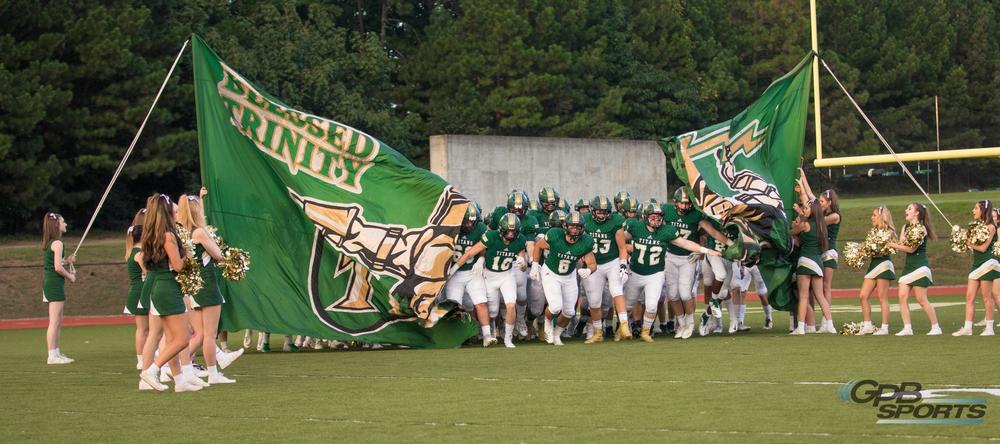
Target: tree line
[79,76]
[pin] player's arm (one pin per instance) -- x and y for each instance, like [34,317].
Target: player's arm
[536,254]
[805,192]
[707,227]
[591,261]
[200,236]
[693,246]
[832,218]
[471,252]
[622,238]
[899,245]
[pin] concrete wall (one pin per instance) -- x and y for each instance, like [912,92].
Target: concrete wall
[486,168]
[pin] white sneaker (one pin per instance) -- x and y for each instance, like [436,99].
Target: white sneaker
[732,327]
[987,332]
[828,328]
[688,331]
[797,331]
[557,340]
[656,328]
[881,332]
[810,329]
[963,332]
[905,332]
[225,359]
[164,375]
[66,357]
[143,386]
[522,328]
[867,330]
[138,366]
[488,341]
[219,378]
[981,323]
[317,345]
[150,379]
[936,331]
[59,360]
[200,373]
[185,385]
[508,342]
[193,380]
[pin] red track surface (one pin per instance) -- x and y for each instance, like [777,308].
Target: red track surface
[78,321]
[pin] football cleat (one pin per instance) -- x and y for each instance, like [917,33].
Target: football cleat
[598,337]
[645,336]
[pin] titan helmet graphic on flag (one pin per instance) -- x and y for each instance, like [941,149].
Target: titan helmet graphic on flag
[742,173]
[350,240]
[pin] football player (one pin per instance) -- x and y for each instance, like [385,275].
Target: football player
[603,225]
[467,276]
[565,247]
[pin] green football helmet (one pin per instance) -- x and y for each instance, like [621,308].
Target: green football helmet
[629,207]
[533,206]
[582,203]
[557,218]
[509,226]
[518,202]
[563,205]
[682,201]
[574,225]
[600,208]
[619,198]
[548,198]
[653,208]
[472,215]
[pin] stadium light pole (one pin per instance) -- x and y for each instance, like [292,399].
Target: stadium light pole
[815,48]
[937,135]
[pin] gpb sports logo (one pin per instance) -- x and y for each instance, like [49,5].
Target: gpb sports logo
[908,403]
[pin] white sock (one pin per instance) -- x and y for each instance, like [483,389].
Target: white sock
[598,325]
[213,370]
[153,369]
[138,360]
[622,316]
[968,325]
[885,327]
[731,308]
[909,327]
[187,369]
[867,324]
[558,331]
[767,311]
[647,322]
[989,325]
[54,353]
[485,329]
[58,352]
[933,326]
[742,310]
[547,325]
[508,333]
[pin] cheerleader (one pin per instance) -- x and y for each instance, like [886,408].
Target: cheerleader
[985,270]
[162,253]
[133,305]
[830,204]
[880,274]
[995,248]
[207,303]
[54,276]
[916,270]
[810,227]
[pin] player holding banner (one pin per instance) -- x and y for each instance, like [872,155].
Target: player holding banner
[650,238]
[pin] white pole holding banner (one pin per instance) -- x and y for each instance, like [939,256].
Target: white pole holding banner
[131,146]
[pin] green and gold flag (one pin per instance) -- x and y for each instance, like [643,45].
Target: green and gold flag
[348,239]
[742,173]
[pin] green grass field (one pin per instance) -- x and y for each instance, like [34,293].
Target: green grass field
[761,386]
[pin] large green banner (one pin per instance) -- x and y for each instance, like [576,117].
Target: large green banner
[348,239]
[742,173]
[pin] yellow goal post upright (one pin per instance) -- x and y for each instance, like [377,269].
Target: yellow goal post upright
[893,157]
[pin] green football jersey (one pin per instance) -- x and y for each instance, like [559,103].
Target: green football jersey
[563,255]
[605,247]
[499,255]
[647,247]
[686,226]
[541,219]
[467,240]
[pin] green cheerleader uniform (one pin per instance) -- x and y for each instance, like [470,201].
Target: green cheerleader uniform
[830,256]
[810,258]
[210,274]
[53,284]
[916,269]
[984,266]
[881,268]
[162,290]
[134,305]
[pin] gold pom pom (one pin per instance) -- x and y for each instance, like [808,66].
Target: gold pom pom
[850,329]
[979,233]
[189,277]
[854,256]
[996,249]
[959,237]
[235,263]
[876,243]
[913,235]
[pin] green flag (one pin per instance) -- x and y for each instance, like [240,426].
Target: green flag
[742,173]
[348,239]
